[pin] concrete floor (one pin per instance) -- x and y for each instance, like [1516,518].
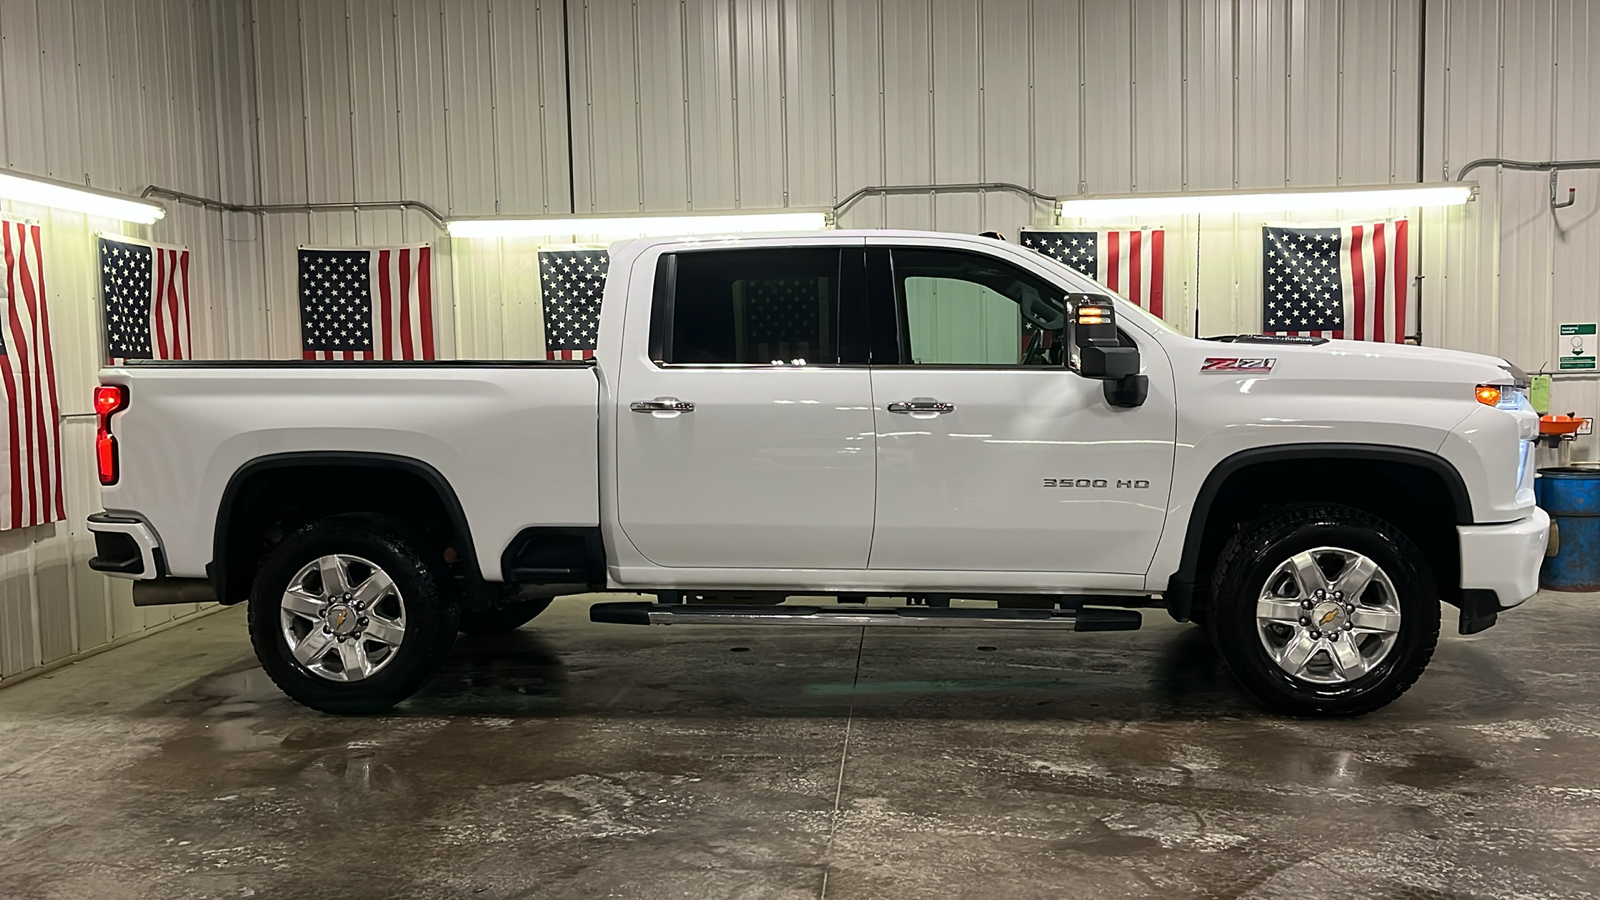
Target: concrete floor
[576,760]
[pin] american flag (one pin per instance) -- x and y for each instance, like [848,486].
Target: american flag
[570,285]
[145,288]
[30,439]
[782,319]
[1347,282]
[1132,262]
[367,304]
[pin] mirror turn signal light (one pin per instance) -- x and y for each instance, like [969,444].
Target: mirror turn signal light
[1488,394]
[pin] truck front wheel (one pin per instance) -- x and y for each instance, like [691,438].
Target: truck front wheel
[1324,610]
[346,617]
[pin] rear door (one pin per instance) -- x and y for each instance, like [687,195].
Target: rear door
[745,429]
[991,455]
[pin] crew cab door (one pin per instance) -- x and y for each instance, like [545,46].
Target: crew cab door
[744,418]
[992,456]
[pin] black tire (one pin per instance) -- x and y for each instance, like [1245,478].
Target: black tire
[1254,554]
[431,615]
[502,619]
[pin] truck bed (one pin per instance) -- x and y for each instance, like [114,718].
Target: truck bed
[516,441]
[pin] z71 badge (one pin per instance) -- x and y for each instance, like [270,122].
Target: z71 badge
[1236,364]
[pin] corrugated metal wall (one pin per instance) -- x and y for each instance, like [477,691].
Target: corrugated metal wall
[118,95]
[1516,79]
[758,104]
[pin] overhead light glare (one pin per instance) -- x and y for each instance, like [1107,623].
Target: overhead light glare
[74,198]
[613,227]
[1205,202]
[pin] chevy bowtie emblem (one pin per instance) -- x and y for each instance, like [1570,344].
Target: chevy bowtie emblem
[339,617]
[1333,614]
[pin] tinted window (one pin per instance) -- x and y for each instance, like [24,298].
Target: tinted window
[754,306]
[969,309]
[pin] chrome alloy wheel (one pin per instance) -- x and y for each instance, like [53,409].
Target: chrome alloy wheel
[343,617]
[1328,615]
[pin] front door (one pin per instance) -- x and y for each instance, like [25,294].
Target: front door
[991,455]
[744,433]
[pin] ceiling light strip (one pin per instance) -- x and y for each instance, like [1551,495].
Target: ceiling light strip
[77,198]
[612,227]
[1288,200]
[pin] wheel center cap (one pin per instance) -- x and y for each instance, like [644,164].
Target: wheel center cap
[342,619]
[1328,616]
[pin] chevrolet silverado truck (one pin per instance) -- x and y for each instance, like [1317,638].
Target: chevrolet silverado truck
[848,428]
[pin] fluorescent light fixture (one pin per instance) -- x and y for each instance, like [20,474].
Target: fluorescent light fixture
[638,226]
[77,198]
[1289,199]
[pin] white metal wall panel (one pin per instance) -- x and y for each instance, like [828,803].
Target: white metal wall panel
[908,143]
[1157,96]
[1107,121]
[763,175]
[22,89]
[1057,96]
[858,60]
[470,122]
[118,95]
[663,107]
[1206,107]
[710,98]
[957,111]
[810,131]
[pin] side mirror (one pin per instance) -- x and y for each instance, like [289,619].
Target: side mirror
[1095,350]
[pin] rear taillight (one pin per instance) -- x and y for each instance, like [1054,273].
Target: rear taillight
[108,399]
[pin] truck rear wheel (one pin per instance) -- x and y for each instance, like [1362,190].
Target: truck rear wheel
[346,617]
[1324,610]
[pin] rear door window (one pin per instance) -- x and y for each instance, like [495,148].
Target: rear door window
[750,307]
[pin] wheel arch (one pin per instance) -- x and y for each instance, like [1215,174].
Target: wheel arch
[1222,502]
[232,561]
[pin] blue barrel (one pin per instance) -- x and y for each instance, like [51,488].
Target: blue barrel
[1571,495]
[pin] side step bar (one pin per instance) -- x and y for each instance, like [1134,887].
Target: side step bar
[646,613]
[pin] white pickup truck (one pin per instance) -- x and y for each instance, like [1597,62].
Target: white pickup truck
[901,428]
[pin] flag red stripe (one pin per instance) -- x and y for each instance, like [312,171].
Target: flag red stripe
[1135,265]
[13,408]
[1402,251]
[1158,258]
[425,290]
[1358,282]
[172,303]
[405,305]
[1379,281]
[33,396]
[54,412]
[158,313]
[384,301]
[1112,243]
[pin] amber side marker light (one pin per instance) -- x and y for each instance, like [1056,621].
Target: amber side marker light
[1488,395]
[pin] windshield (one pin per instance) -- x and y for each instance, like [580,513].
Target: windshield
[1138,312]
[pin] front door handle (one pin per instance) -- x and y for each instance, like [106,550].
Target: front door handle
[662,405]
[923,405]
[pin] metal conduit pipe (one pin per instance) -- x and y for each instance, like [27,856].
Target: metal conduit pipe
[970,188]
[276,208]
[1553,166]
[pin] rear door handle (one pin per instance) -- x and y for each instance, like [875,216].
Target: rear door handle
[662,405]
[921,405]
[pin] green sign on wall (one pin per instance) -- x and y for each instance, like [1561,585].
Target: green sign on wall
[1576,345]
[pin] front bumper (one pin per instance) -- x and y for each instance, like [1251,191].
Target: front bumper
[1500,567]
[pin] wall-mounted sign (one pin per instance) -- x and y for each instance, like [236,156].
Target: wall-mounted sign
[1576,345]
